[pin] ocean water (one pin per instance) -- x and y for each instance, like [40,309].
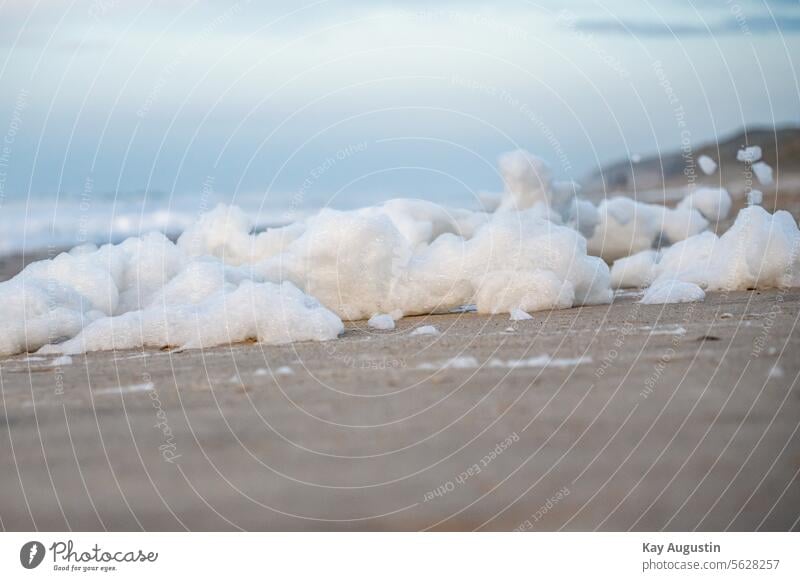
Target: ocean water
[54,223]
[42,223]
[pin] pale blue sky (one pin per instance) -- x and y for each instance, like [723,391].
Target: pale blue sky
[161,96]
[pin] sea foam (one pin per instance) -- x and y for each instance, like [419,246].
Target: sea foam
[539,246]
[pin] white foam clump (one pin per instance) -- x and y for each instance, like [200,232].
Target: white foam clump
[54,299]
[635,271]
[627,226]
[713,203]
[519,315]
[266,312]
[458,362]
[755,198]
[707,165]
[760,250]
[425,330]
[122,389]
[664,329]
[673,291]
[529,184]
[148,292]
[381,322]
[541,361]
[775,372]
[749,154]
[528,181]
[510,292]
[377,260]
[763,173]
[224,233]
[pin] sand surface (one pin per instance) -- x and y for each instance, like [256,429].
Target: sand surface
[611,417]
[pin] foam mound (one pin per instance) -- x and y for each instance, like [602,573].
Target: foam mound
[147,292]
[760,250]
[626,226]
[535,246]
[360,263]
[673,291]
[265,312]
[221,283]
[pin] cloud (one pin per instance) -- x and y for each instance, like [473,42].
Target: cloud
[732,25]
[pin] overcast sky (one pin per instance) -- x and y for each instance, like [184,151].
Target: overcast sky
[408,100]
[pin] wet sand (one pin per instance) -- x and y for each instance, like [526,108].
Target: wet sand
[611,417]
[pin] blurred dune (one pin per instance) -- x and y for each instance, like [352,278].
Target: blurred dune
[665,178]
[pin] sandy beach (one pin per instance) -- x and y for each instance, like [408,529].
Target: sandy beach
[612,417]
[675,417]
